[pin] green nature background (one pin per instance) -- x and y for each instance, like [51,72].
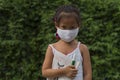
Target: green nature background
[26,29]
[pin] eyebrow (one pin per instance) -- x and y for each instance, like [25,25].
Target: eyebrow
[64,25]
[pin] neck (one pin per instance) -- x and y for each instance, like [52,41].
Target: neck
[68,43]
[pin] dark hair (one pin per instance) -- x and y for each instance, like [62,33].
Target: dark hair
[66,9]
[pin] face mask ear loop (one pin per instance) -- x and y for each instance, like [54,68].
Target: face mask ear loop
[57,36]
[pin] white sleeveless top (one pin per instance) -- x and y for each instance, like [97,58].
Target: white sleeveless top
[61,60]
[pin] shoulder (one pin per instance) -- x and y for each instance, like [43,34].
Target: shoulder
[49,50]
[51,46]
[84,49]
[83,46]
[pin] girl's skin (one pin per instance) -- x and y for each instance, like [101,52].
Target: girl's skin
[66,48]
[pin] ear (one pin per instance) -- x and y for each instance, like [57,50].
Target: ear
[56,24]
[79,25]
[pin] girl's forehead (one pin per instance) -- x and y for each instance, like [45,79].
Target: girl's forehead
[68,18]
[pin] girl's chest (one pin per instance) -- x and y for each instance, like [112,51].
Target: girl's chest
[66,50]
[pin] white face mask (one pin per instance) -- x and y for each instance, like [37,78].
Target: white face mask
[67,35]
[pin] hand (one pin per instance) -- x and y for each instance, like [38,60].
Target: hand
[70,71]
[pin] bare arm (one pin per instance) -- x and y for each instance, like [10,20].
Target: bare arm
[87,70]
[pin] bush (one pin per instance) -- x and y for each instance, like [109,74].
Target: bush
[26,29]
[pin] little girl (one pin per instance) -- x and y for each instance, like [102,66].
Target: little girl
[67,59]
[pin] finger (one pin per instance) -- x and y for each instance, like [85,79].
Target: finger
[73,76]
[73,67]
[74,70]
[74,73]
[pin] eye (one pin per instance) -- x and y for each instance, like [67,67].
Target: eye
[73,27]
[64,27]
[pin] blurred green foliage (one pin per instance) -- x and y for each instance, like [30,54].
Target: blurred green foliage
[26,29]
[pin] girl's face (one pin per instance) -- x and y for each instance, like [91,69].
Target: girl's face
[68,22]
